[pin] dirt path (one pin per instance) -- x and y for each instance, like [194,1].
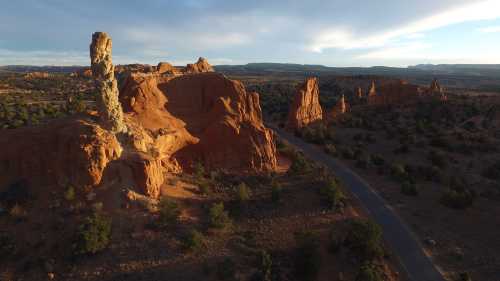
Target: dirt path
[416,264]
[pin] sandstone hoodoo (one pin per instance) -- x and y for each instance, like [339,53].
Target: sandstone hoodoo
[103,71]
[305,109]
[340,108]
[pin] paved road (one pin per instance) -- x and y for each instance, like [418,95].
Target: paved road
[402,241]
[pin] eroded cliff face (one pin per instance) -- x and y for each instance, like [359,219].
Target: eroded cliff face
[225,118]
[64,152]
[305,108]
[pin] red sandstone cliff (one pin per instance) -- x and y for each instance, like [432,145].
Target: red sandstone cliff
[305,108]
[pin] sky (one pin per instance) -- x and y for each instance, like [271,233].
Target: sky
[327,32]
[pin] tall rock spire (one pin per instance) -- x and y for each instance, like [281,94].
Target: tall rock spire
[109,107]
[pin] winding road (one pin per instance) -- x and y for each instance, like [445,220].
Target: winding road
[416,264]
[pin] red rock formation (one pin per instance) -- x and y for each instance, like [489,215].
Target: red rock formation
[225,118]
[435,91]
[70,151]
[305,109]
[340,108]
[200,66]
[165,67]
[398,92]
[36,75]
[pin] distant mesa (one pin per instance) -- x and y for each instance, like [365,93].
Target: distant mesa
[305,109]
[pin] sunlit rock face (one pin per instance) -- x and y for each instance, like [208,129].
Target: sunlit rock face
[103,71]
[305,108]
[63,152]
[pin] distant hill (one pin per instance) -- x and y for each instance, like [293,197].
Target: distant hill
[31,68]
[490,70]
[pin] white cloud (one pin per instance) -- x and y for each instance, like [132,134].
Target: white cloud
[344,39]
[490,29]
[411,50]
[42,57]
[157,38]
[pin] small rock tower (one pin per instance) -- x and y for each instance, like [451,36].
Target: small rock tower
[109,107]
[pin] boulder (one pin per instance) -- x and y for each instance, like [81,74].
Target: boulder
[305,108]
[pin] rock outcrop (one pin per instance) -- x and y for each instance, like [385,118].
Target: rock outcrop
[37,75]
[63,152]
[103,71]
[435,91]
[200,66]
[305,108]
[340,108]
[397,92]
[225,118]
[165,67]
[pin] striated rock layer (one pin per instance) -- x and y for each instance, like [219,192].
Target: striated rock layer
[305,109]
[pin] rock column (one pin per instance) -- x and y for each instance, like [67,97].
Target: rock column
[109,107]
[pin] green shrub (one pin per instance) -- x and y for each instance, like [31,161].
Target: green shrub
[398,172]
[226,269]
[369,272]
[93,235]
[365,239]
[219,218]
[492,172]
[377,159]
[7,245]
[199,170]
[438,159]
[332,193]
[409,188]
[265,267]
[194,240]
[299,164]
[331,149]
[464,276]
[70,193]
[204,187]
[242,193]
[363,162]
[276,191]
[308,257]
[168,212]
[347,153]
[458,199]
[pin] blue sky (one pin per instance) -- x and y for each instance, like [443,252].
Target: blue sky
[333,32]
